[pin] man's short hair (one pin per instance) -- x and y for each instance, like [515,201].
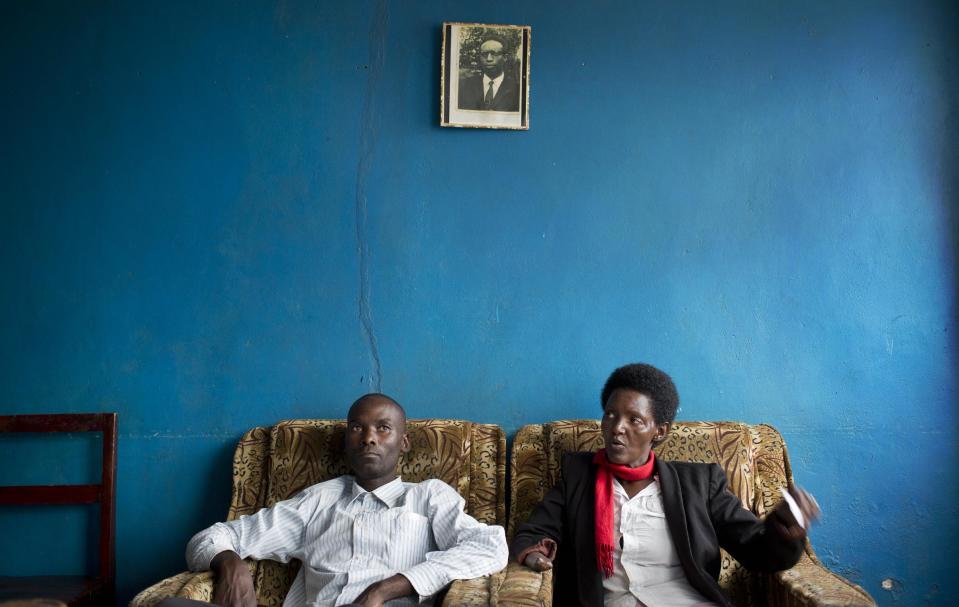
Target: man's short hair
[380,396]
[648,380]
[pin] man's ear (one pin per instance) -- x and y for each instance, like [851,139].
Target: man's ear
[405,445]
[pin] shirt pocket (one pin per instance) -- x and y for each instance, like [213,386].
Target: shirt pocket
[411,537]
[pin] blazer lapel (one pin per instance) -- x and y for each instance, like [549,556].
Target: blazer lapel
[675,512]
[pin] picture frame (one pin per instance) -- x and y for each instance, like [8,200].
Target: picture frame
[484,76]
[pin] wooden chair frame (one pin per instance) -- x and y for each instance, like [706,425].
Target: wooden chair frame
[101,589]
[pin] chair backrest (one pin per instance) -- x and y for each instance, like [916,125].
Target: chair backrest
[102,493]
[753,456]
[274,463]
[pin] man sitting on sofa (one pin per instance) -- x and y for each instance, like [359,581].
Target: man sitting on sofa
[364,539]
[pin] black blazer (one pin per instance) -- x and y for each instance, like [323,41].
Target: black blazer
[701,514]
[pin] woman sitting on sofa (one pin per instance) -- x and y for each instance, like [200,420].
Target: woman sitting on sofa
[623,528]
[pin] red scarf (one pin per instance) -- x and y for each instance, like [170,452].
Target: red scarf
[605,472]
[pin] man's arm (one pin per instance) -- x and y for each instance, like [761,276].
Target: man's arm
[234,582]
[274,533]
[467,548]
[386,590]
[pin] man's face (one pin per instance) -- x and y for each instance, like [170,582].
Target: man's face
[491,57]
[375,438]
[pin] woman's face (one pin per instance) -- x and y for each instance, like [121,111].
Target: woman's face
[629,427]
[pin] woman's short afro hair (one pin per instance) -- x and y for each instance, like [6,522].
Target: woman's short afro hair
[648,380]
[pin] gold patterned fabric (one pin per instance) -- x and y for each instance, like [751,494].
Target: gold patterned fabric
[161,590]
[273,464]
[521,586]
[756,464]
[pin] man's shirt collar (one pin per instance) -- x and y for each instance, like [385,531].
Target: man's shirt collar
[497,81]
[389,493]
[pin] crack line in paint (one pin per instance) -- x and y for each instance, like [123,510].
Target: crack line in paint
[367,137]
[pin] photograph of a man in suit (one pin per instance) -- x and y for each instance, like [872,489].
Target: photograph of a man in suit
[494,89]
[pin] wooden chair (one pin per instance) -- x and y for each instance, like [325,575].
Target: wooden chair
[72,590]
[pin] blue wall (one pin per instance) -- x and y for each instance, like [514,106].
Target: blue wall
[218,215]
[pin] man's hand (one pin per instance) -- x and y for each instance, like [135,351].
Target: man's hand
[233,586]
[537,561]
[785,522]
[378,593]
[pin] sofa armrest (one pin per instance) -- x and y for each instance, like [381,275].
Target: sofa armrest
[521,586]
[468,593]
[809,583]
[197,585]
[199,588]
[163,589]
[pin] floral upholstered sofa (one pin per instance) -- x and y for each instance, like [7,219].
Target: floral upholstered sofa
[274,463]
[756,464]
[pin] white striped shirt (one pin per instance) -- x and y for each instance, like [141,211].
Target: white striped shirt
[348,538]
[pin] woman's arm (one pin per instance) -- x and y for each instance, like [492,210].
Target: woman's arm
[759,545]
[537,540]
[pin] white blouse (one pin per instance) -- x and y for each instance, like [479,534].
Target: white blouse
[646,567]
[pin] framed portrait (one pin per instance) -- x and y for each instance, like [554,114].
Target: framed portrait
[485,76]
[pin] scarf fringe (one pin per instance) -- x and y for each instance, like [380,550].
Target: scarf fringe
[605,557]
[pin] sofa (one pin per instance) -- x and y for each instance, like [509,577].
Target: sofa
[756,464]
[271,464]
